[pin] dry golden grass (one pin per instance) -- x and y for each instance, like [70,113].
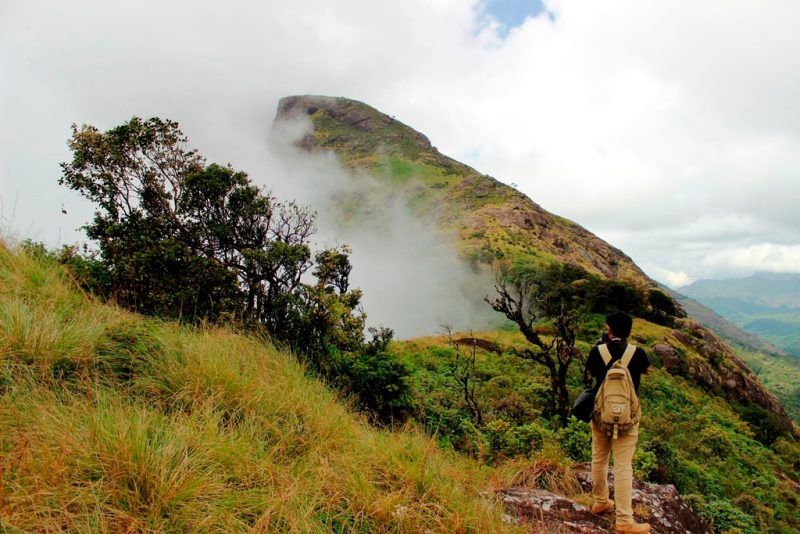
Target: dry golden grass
[547,469]
[111,422]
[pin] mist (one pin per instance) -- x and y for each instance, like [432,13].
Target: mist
[410,272]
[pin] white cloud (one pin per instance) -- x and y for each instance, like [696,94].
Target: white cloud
[761,257]
[674,279]
[671,129]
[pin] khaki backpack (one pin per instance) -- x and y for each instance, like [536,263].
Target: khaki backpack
[616,405]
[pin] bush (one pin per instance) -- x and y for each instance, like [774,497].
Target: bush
[507,440]
[715,440]
[575,439]
[724,517]
[378,381]
[645,464]
[765,425]
[666,465]
[662,309]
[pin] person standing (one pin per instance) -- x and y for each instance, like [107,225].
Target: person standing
[615,348]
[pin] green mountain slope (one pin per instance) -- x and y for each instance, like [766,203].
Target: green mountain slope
[697,441]
[779,371]
[492,222]
[111,422]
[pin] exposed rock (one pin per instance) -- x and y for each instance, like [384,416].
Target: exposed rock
[357,117]
[670,359]
[548,512]
[720,368]
[659,505]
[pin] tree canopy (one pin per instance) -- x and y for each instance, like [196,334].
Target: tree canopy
[180,238]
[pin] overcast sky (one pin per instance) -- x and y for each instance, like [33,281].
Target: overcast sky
[670,129]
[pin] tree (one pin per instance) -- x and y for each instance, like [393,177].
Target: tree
[135,174]
[526,296]
[180,238]
[462,370]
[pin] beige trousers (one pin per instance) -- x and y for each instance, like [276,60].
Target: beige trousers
[622,448]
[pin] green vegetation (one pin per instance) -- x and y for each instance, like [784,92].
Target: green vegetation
[779,373]
[114,422]
[182,240]
[493,405]
[701,443]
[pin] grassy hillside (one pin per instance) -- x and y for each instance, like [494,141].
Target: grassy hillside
[113,422]
[700,442]
[779,325]
[779,371]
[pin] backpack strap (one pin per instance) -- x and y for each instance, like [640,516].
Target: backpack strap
[604,353]
[627,356]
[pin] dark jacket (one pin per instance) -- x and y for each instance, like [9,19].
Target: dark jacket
[597,368]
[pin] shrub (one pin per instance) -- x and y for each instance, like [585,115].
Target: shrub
[378,381]
[724,517]
[765,425]
[666,462]
[575,439]
[645,464]
[715,440]
[507,440]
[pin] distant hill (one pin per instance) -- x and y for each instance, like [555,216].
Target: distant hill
[765,289]
[767,305]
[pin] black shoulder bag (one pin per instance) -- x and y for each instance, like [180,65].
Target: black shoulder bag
[584,405]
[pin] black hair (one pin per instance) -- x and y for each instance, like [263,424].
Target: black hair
[620,324]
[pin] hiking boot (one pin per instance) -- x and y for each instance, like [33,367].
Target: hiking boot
[632,527]
[601,508]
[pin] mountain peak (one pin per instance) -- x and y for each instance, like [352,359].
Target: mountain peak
[493,221]
[353,125]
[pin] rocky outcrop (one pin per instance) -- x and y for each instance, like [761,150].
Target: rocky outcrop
[544,511]
[351,124]
[720,369]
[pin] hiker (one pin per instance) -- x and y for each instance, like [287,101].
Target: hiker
[607,436]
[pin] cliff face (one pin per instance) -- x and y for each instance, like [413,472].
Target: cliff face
[494,222]
[714,366]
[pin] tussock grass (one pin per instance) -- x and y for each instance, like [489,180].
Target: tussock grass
[548,469]
[113,422]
